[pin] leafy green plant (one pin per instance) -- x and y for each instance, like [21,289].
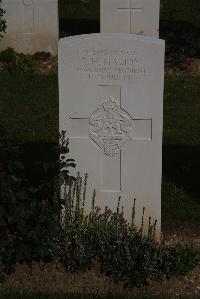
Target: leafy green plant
[30,202]
[186,258]
[2,21]
[16,62]
[119,248]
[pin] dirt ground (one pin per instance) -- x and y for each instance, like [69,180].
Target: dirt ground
[48,65]
[52,277]
[190,67]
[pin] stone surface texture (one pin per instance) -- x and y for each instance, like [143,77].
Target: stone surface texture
[130,16]
[111,105]
[32,26]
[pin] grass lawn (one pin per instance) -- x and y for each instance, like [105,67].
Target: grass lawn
[181,150]
[29,113]
[181,10]
[29,107]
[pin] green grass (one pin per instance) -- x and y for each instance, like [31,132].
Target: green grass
[29,113]
[181,10]
[22,295]
[29,107]
[181,150]
[181,110]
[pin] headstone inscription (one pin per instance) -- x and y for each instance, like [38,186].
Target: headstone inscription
[32,25]
[130,16]
[111,105]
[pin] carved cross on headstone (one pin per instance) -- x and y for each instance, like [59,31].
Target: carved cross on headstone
[28,23]
[110,128]
[131,10]
[28,16]
[130,16]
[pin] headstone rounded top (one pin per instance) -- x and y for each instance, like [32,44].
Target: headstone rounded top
[113,36]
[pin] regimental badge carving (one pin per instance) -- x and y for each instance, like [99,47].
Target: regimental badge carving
[110,127]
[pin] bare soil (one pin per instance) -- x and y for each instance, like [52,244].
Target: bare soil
[190,67]
[194,66]
[52,277]
[46,66]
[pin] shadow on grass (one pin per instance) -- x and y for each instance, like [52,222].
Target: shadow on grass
[29,202]
[181,165]
[35,164]
[182,40]
[78,26]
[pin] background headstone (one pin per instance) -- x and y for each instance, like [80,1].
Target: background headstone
[32,26]
[111,105]
[130,16]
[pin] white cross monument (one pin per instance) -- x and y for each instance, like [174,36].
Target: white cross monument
[111,101]
[130,16]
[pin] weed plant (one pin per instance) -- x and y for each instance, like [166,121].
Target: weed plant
[2,21]
[16,62]
[104,239]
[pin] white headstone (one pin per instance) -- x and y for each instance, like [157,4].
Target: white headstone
[111,105]
[130,16]
[32,25]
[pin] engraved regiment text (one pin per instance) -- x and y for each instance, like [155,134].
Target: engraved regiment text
[115,65]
